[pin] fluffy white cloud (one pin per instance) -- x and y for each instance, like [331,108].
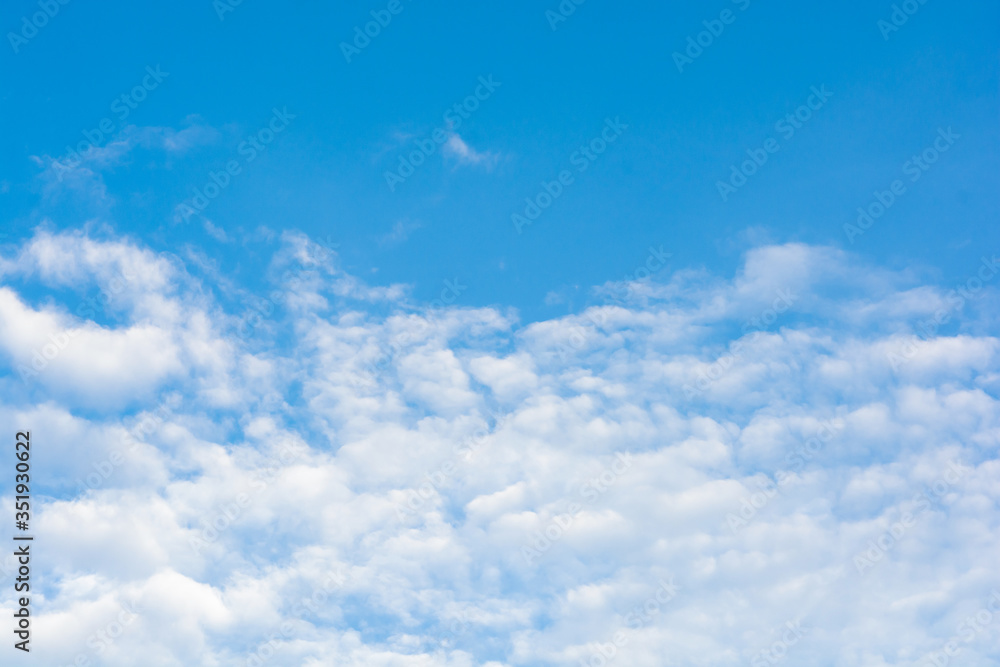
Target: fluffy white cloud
[702,471]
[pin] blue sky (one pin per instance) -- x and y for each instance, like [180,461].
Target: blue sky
[657,185]
[503,340]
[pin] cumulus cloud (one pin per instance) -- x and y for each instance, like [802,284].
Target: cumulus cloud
[780,464]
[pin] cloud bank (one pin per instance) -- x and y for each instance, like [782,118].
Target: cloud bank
[794,464]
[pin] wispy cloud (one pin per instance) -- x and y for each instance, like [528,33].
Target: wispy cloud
[401,231]
[216,233]
[459,151]
[81,171]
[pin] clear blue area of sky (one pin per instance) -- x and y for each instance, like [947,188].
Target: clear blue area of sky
[656,185]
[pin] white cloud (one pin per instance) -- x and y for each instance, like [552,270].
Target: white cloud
[82,170]
[457,149]
[217,233]
[463,472]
